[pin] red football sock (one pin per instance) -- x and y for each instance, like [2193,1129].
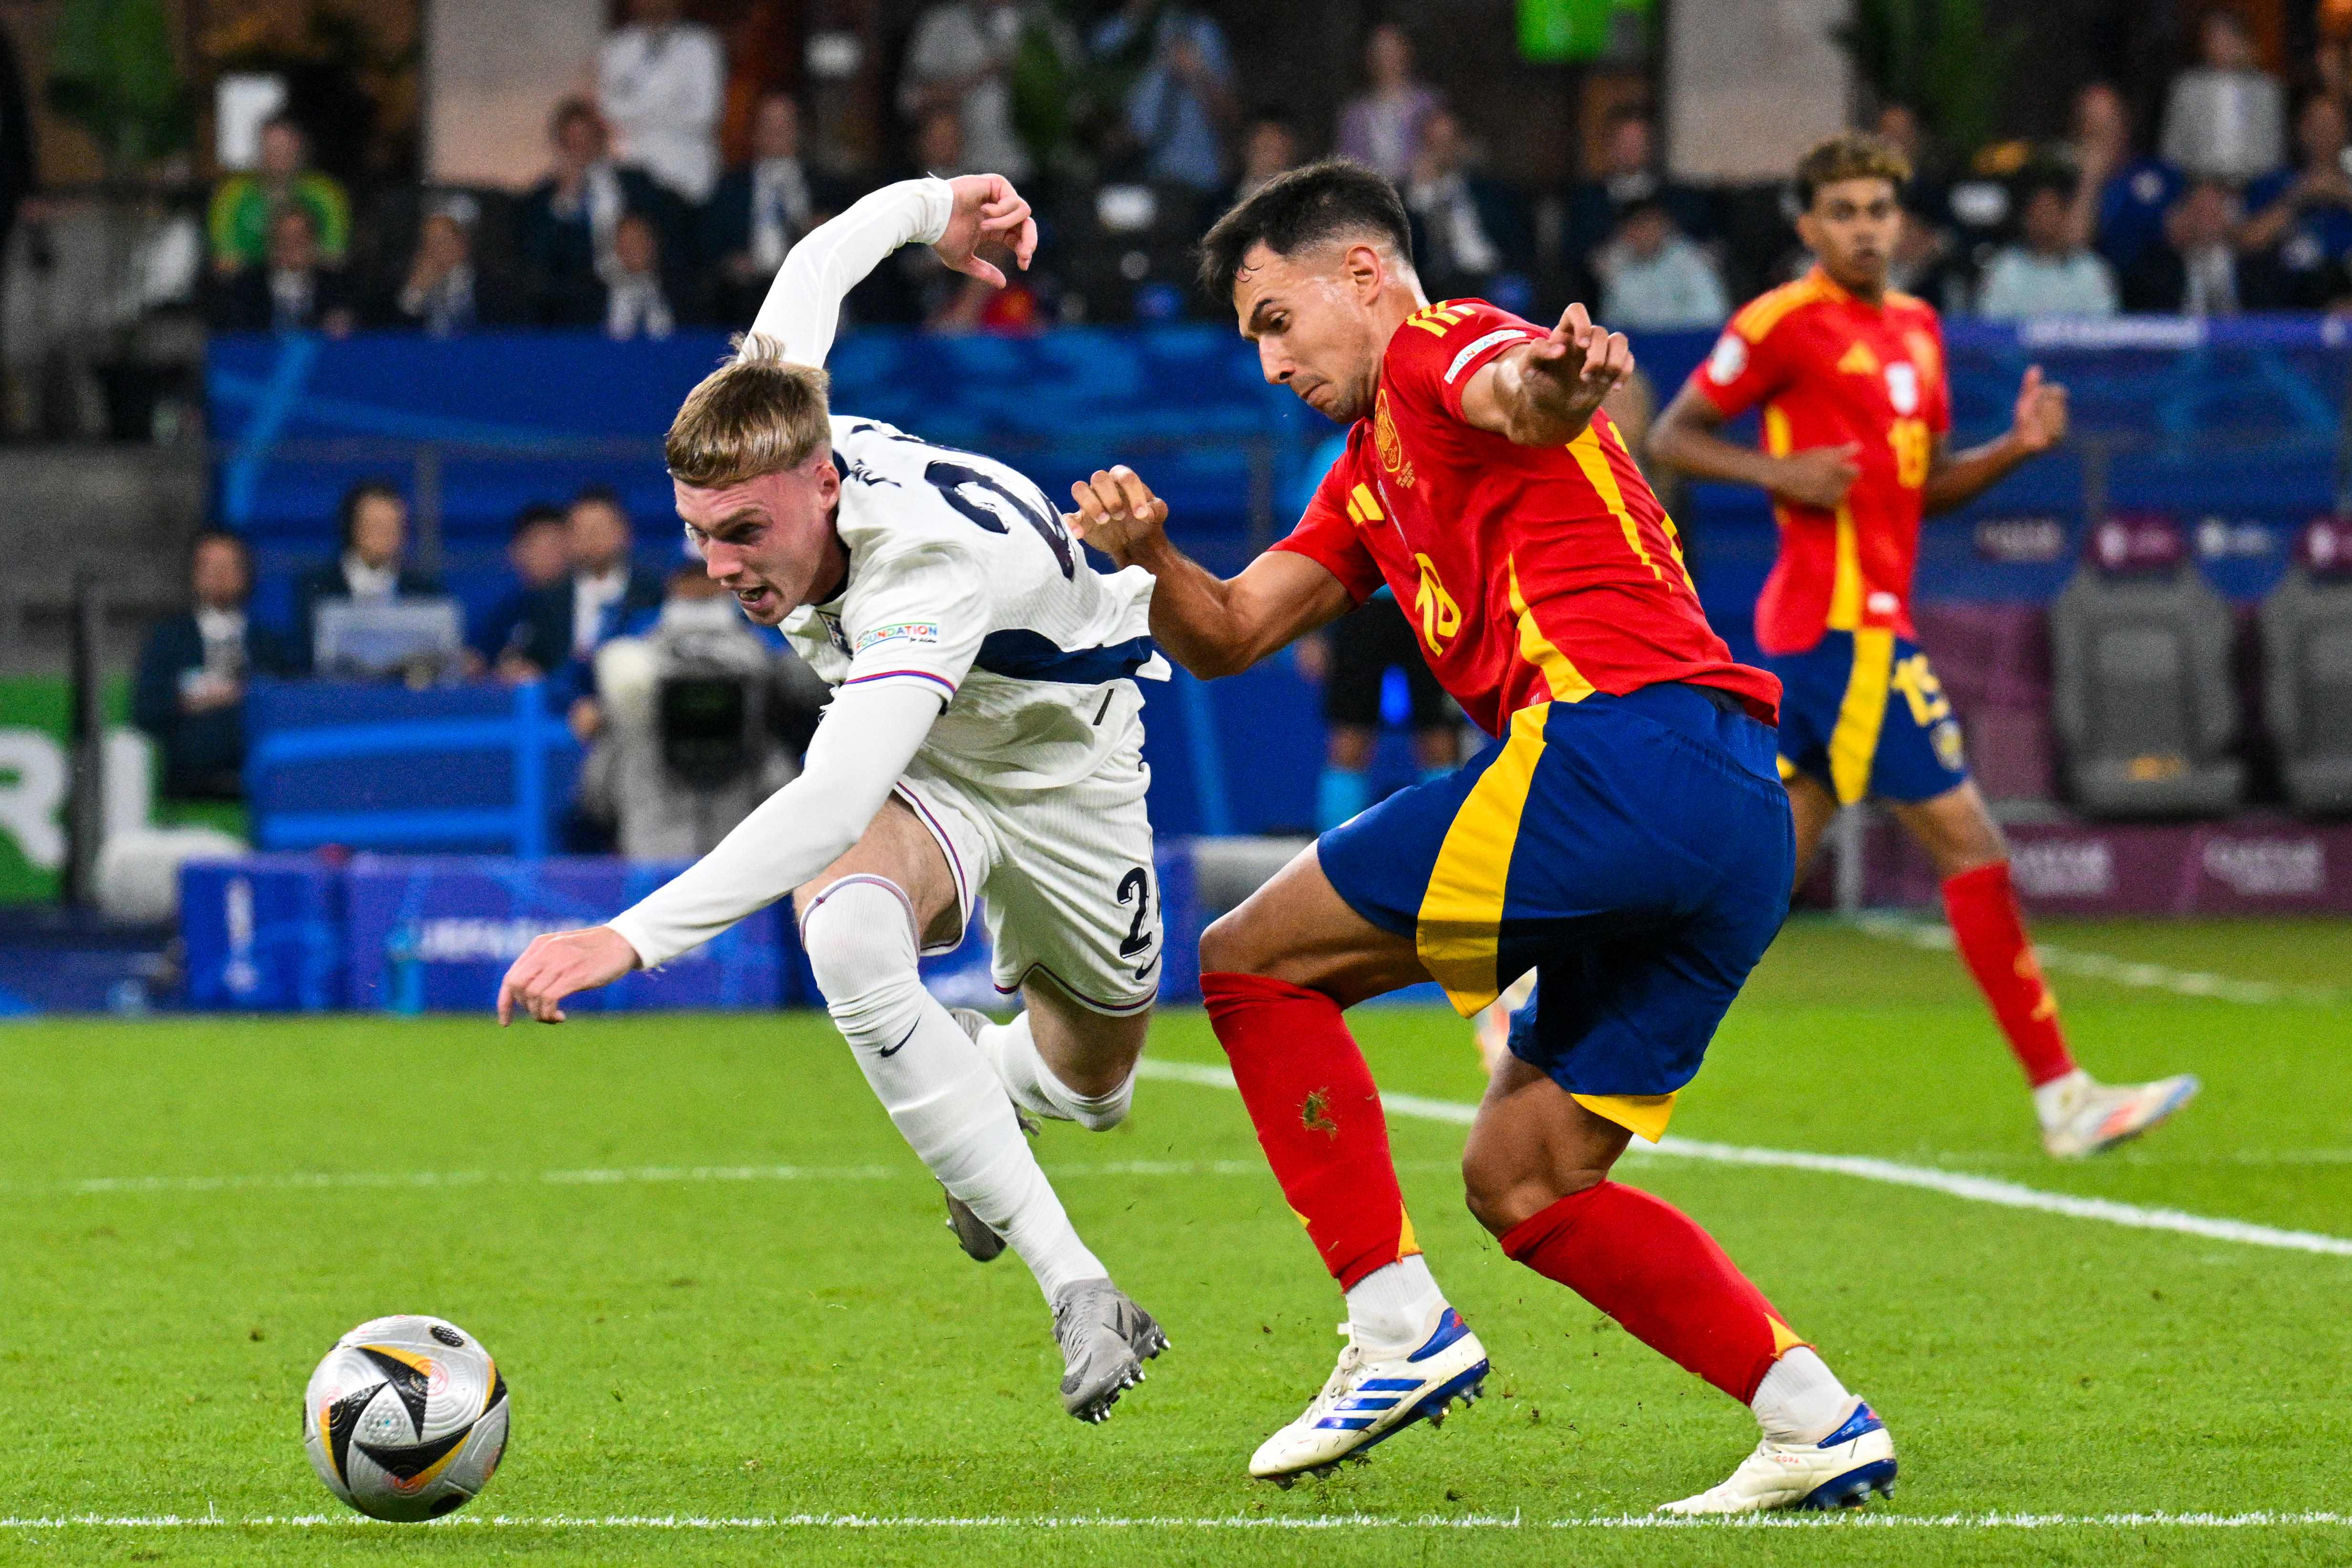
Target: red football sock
[1990,930]
[1649,1266]
[1319,1118]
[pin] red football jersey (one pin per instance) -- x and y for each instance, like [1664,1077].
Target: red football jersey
[1830,369]
[1532,573]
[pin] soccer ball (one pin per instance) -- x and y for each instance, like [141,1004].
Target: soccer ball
[406,1418]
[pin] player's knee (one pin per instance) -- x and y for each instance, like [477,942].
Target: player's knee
[1225,946]
[860,941]
[1502,1188]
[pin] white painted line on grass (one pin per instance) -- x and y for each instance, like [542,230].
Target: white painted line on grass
[1936,937]
[1857,1520]
[1952,1183]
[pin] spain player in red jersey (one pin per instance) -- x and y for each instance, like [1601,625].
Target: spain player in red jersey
[1627,840]
[1856,411]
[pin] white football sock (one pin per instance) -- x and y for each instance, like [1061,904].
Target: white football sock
[1801,1399]
[936,1084]
[1392,1306]
[2055,1101]
[1013,1050]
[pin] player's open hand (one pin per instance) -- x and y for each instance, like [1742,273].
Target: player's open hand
[1818,476]
[1118,513]
[988,211]
[1584,361]
[558,964]
[2040,422]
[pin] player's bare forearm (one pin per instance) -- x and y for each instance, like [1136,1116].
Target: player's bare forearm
[1959,477]
[1684,439]
[1544,393]
[1212,626]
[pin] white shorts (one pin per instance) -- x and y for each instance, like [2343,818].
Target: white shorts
[1066,876]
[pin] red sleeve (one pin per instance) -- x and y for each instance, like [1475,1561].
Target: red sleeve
[1327,537]
[1939,406]
[1742,372]
[1440,346]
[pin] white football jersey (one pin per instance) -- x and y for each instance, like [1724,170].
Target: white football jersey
[964,580]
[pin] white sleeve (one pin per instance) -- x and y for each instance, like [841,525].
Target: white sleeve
[916,618]
[867,738]
[804,304]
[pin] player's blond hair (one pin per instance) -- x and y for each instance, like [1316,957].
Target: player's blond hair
[1850,155]
[758,414]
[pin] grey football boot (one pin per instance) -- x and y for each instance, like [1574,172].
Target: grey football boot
[1105,1339]
[980,1242]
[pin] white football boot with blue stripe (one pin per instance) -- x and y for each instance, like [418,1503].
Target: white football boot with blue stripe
[1843,1470]
[1374,1394]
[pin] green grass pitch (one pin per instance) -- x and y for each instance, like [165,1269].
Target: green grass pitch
[191,1210]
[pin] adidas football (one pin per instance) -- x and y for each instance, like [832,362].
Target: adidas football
[406,1418]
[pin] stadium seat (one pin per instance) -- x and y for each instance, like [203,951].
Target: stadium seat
[2144,702]
[2307,659]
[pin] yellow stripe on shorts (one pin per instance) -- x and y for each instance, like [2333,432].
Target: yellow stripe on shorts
[1853,744]
[1646,1114]
[1462,908]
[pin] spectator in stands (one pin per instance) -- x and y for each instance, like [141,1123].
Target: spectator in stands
[189,693]
[1927,264]
[960,60]
[570,219]
[1928,191]
[1469,226]
[603,593]
[1181,103]
[1269,146]
[2120,200]
[538,554]
[661,83]
[2302,222]
[1652,276]
[637,294]
[293,291]
[245,205]
[2047,271]
[1382,128]
[1627,175]
[2194,271]
[2225,119]
[446,293]
[371,567]
[760,211]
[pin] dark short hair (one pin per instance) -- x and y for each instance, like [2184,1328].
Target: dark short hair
[538,514]
[1850,155]
[570,109]
[1299,209]
[347,514]
[599,495]
[2039,177]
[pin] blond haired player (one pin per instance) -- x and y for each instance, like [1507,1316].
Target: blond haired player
[984,738]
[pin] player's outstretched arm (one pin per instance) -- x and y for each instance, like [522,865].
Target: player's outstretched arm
[869,735]
[955,217]
[1686,438]
[1212,626]
[2038,423]
[1544,393]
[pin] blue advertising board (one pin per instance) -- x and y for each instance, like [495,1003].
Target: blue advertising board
[433,934]
[263,933]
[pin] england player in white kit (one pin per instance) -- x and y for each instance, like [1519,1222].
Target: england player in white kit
[983,743]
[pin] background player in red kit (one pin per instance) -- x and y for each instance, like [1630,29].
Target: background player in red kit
[1628,840]
[1857,412]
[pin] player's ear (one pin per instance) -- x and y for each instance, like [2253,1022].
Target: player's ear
[1367,270]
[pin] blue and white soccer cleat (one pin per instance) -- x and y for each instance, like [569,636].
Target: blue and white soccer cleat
[1374,1394]
[1843,1470]
[2094,1117]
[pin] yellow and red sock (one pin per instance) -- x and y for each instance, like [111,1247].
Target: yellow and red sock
[1989,929]
[1319,1118]
[1649,1266]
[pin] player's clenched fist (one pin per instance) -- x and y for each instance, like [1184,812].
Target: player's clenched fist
[1118,513]
[560,963]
